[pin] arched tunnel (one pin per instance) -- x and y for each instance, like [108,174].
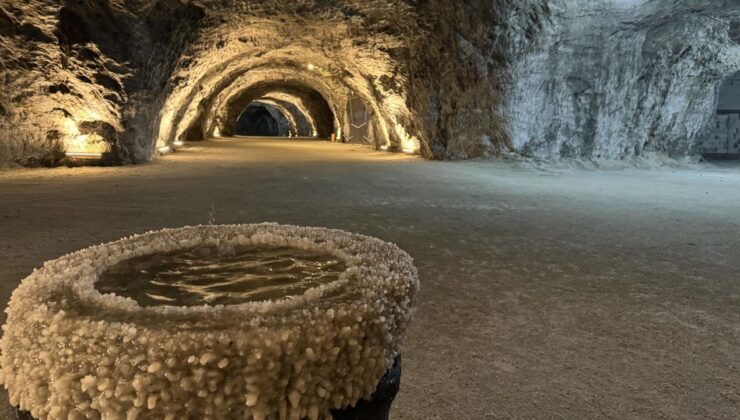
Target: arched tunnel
[298,108]
[288,100]
[251,104]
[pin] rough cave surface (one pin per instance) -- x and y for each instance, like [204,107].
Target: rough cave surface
[620,78]
[543,78]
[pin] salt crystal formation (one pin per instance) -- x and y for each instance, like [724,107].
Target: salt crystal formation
[69,352]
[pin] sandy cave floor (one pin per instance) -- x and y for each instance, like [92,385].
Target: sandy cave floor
[560,293]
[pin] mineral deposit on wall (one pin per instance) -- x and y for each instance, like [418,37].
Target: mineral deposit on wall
[615,79]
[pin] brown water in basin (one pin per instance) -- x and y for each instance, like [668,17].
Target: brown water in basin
[212,276]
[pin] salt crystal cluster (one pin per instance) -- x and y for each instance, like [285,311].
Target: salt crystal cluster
[69,352]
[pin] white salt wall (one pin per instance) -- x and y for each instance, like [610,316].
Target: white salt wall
[615,79]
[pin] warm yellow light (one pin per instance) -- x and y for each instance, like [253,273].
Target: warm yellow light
[164,150]
[78,145]
[87,143]
[71,127]
[84,155]
[87,115]
[409,144]
[311,66]
[384,148]
[179,143]
[217,132]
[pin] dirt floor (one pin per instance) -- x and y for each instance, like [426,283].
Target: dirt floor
[557,293]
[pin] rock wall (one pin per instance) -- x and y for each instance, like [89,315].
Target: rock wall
[85,71]
[618,79]
[551,79]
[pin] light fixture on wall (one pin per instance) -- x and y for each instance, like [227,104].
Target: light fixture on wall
[83,155]
[409,144]
[71,127]
[83,146]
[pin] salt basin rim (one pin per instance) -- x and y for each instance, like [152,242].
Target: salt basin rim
[71,352]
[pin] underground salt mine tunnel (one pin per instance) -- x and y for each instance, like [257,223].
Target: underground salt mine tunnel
[375,209]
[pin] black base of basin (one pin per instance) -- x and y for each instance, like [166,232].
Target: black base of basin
[378,408]
[22,415]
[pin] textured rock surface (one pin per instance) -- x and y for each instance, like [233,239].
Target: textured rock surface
[619,78]
[547,78]
[71,69]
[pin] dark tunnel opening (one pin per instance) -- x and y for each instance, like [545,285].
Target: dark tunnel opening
[261,121]
[263,96]
[723,136]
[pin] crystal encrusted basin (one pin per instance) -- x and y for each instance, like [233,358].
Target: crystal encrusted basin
[69,351]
